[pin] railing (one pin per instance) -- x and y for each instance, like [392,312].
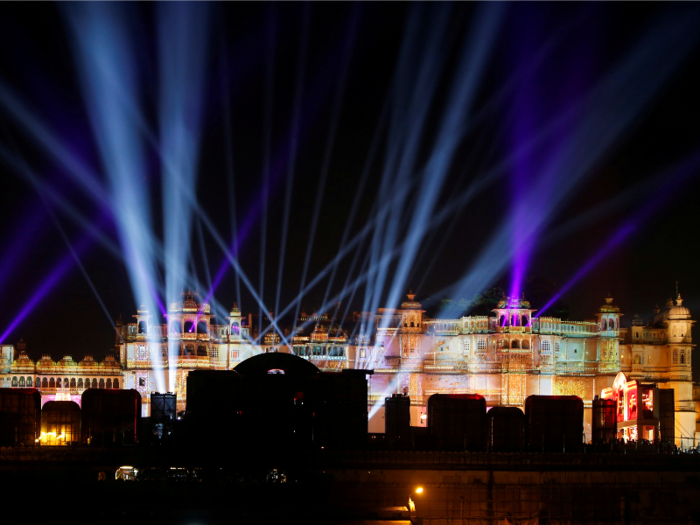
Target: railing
[569,368]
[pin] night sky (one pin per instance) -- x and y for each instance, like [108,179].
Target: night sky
[581,119]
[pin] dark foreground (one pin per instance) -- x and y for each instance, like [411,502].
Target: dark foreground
[61,486]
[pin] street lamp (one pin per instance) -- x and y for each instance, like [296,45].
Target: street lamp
[411,503]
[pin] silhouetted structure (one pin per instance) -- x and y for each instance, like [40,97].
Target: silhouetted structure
[554,423]
[20,416]
[604,421]
[60,423]
[281,401]
[505,429]
[110,417]
[397,421]
[667,427]
[457,421]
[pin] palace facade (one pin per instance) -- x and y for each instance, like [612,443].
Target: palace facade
[505,357]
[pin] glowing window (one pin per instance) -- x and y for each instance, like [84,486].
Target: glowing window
[481,345]
[363,353]
[235,329]
[215,352]
[546,347]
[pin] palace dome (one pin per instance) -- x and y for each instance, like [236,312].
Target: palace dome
[679,311]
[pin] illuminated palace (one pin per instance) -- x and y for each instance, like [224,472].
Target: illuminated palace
[505,357]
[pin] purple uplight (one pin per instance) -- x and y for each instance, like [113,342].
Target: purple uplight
[673,179]
[620,235]
[65,264]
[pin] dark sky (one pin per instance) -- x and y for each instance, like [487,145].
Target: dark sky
[584,116]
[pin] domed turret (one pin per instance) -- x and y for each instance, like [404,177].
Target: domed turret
[679,311]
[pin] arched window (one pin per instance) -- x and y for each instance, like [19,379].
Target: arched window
[546,347]
[52,383]
[109,382]
[502,320]
[29,381]
[637,360]
[102,383]
[513,320]
[66,383]
[525,345]
[44,383]
[612,324]
[94,383]
[675,356]
[80,382]
[202,351]
[143,327]
[413,324]
[515,343]
[116,383]
[189,327]
[235,329]
[72,383]
[14,382]
[21,381]
[605,324]
[682,357]
[176,327]
[202,327]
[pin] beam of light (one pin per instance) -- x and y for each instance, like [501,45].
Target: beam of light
[590,139]
[313,102]
[182,58]
[476,51]
[349,40]
[267,118]
[608,111]
[293,144]
[50,282]
[418,69]
[103,51]
[40,190]
[39,132]
[228,138]
[673,179]
[237,267]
